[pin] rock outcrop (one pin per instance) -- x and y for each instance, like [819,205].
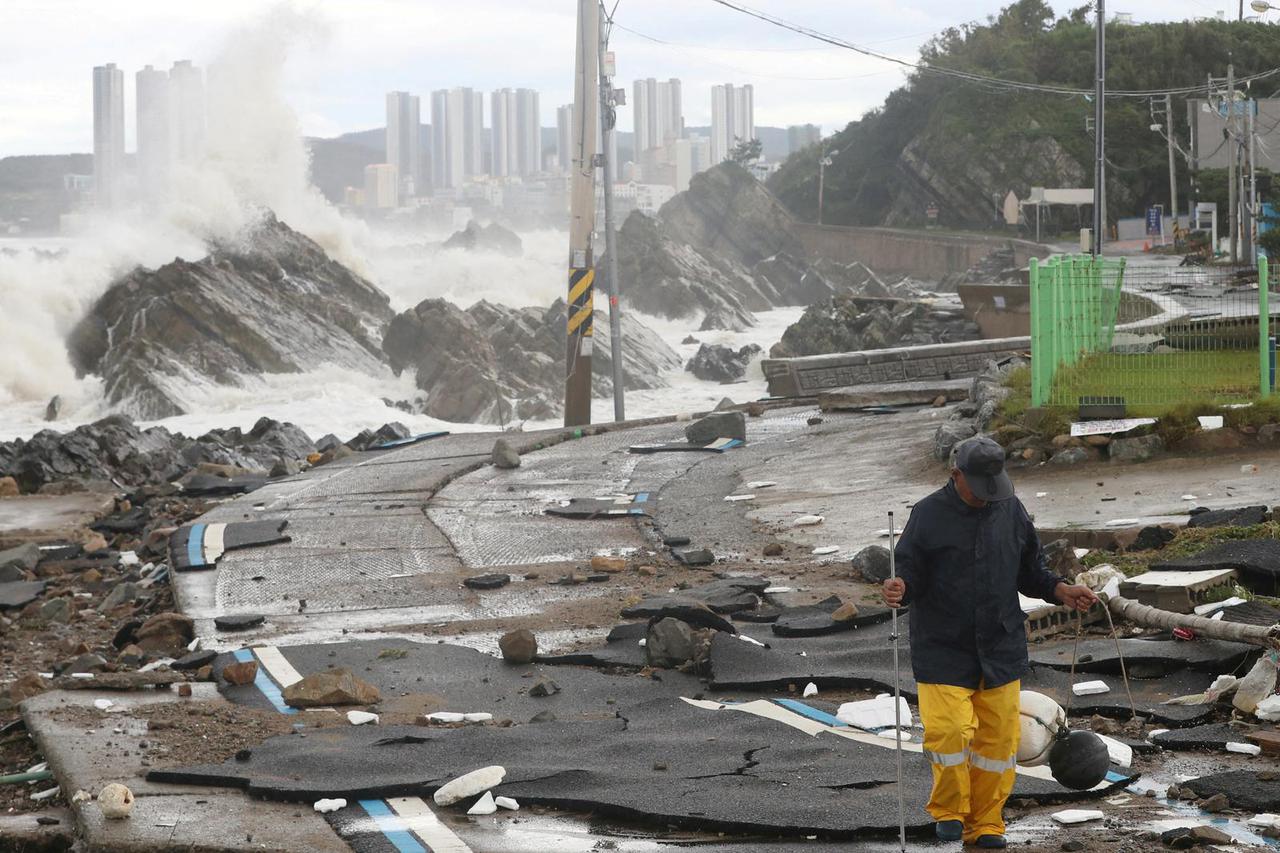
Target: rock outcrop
[724,248]
[718,363]
[115,450]
[492,237]
[852,323]
[495,364]
[273,302]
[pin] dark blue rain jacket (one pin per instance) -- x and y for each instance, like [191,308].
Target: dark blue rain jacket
[964,568]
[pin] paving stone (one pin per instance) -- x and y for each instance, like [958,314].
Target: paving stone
[1245,516]
[238,621]
[1257,560]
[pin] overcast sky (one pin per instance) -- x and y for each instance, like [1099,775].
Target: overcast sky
[339,69]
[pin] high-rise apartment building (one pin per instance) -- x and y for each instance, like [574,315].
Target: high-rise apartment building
[657,112]
[732,119]
[802,136]
[151,88]
[381,184]
[457,136]
[564,137]
[403,132]
[516,132]
[186,112]
[108,133]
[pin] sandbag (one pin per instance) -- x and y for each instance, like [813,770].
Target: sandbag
[1040,718]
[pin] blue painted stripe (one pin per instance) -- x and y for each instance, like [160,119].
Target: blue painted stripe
[812,713]
[392,827]
[1113,776]
[263,682]
[195,545]
[641,498]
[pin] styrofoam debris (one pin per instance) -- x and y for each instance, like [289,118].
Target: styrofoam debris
[1208,422]
[326,806]
[1269,709]
[751,640]
[470,784]
[807,521]
[46,794]
[775,590]
[81,796]
[129,558]
[870,714]
[1080,552]
[484,805]
[643,642]
[825,549]
[1264,820]
[810,689]
[83,675]
[1090,688]
[506,803]
[1190,497]
[1151,735]
[1205,609]
[736,498]
[155,664]
[1217,617]
[892,734]
[1042,494]
[1066,817]
[43,765]
[115,801]
[1244,748]
[1122,522]
[102,704]
[194,645]
[359,718]
[478,717]
[446,717]
[1121,753]
[761,484]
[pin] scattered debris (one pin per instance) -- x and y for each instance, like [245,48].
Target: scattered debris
[1090,688]
[810,690]
[485,582]
[519,646]
[484,805]
[506,803]
[469,785]
[359,718]
[874,714]
[1244,748]
[1067,817]
[330,687]
[807,521]
[329,805]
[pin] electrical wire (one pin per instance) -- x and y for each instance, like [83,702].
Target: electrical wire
[997,83]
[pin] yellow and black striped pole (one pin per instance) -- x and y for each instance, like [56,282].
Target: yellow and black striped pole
[579,325]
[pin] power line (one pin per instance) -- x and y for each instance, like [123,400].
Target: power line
[997,83]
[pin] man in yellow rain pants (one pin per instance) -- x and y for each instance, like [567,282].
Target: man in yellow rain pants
[966,552]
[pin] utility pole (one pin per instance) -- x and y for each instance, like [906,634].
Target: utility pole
[582,217]
[1173,173]
[1099,116]
[1233,140]
[1251,203]
[608,118]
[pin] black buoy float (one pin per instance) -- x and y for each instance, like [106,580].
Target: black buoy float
[1079,760]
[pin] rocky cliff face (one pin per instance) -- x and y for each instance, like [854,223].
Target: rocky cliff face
[492,237]
[496,364]
[852,323]
[724,248]
[273,302]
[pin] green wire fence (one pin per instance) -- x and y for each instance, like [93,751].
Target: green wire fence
[1148,336]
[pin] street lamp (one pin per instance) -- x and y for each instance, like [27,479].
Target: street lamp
[1262,6]
[823,163]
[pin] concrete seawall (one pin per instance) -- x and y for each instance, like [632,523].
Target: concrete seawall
[921,254]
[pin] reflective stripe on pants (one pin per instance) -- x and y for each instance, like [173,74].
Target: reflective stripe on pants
[971,741]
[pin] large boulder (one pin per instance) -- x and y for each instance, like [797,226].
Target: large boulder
[330,687]
[271,301]
[719,363]
[110,449]
[492,363]
[491,238]
[853,323]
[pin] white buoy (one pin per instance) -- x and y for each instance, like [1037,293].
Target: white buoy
[1040,718]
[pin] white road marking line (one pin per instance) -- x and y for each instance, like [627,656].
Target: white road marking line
[422,822]
[276,666]
[213,542]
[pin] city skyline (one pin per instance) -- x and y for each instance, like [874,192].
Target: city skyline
[339,68]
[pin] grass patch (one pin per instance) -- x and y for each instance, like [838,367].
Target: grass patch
[393,654]
[1151,383]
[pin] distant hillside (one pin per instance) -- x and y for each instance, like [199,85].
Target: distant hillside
[31,192]
[963,146]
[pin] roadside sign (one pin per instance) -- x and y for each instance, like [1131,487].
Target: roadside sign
[932,212]
[1155,220]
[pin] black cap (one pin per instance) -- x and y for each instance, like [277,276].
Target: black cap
[982,461]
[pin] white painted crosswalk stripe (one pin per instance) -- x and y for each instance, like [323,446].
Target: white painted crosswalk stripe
[422,822]
[276,666]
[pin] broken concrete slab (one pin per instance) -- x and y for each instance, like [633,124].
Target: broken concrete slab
[729,595]
[732,425]
[201,545]
[1245,516]
[1252,790]
[1257,560]
[201,485]
[16,562]
[1144,658]
[818,620]
[1178,592]
[20,593]
[489,581]
[238,621]
[1213,736]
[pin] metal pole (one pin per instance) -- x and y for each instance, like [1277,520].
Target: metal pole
[608,120]
[897,700]
[1253,182]
[1233,200]
[582,218]
[1173,171]
[1099,133]
[822,167]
